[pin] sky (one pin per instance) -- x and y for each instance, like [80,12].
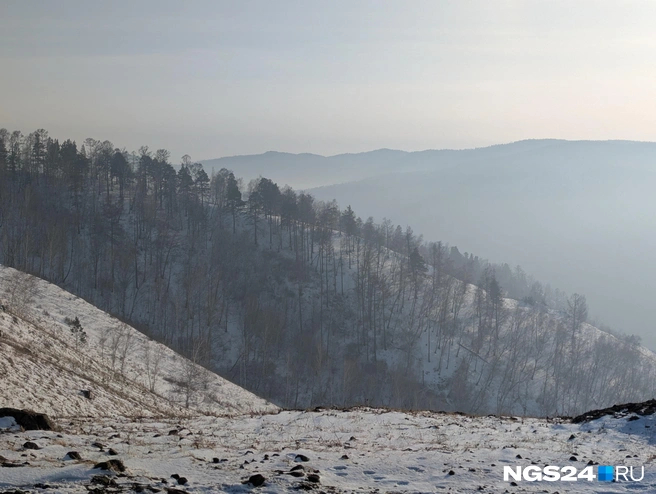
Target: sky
[214,78]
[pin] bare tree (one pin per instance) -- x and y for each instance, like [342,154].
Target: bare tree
[22,289]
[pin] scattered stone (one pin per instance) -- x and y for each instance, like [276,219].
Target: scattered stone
[175,476]
[112,452]
[632,418]
[255,480]
[74,455]
[344,457]
[31,445]
[215,460]
[41,486]
[573,458]
[103,480]
[313,477]
[29,420]
[113,465]
[451,472]
[297,473]
[572,437]
[86,393]
[182,480]
[298,467]
[11,464]
[519,457]
[100,446]
[172,490]
[514,484]
[173,432]
[300,457]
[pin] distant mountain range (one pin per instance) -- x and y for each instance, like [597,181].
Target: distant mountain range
[308,170]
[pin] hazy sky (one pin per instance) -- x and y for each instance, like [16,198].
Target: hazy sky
[213,78]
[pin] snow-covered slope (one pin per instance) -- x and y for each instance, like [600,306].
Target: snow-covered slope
[45,366]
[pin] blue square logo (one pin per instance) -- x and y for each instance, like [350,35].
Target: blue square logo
[606,473]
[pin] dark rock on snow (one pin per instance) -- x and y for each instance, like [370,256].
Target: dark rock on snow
[29,419]
[256,480]
[112,465]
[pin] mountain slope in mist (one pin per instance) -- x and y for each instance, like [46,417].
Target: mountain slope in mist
[577,214]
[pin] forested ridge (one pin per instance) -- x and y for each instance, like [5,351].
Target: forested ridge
[300,301]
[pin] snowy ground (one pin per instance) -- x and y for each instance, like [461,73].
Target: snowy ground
[360,450]
[135,414]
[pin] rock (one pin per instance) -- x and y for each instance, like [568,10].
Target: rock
[215,460]
[73,455]
[572,437]
[175,476]
[100,446]
[182,480]
[298,467]
[255,480]
[300,457]
[86,393]
[573,458]
[103,480]
[31,445]
[313,477]
[297,473]
[113,465]
[451,472]
[519,457]
[11,464]
[173,432]
[29,420]
[344,457]
[644,408]
[112,452]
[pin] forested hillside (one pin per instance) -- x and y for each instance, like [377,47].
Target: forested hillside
[300,301]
